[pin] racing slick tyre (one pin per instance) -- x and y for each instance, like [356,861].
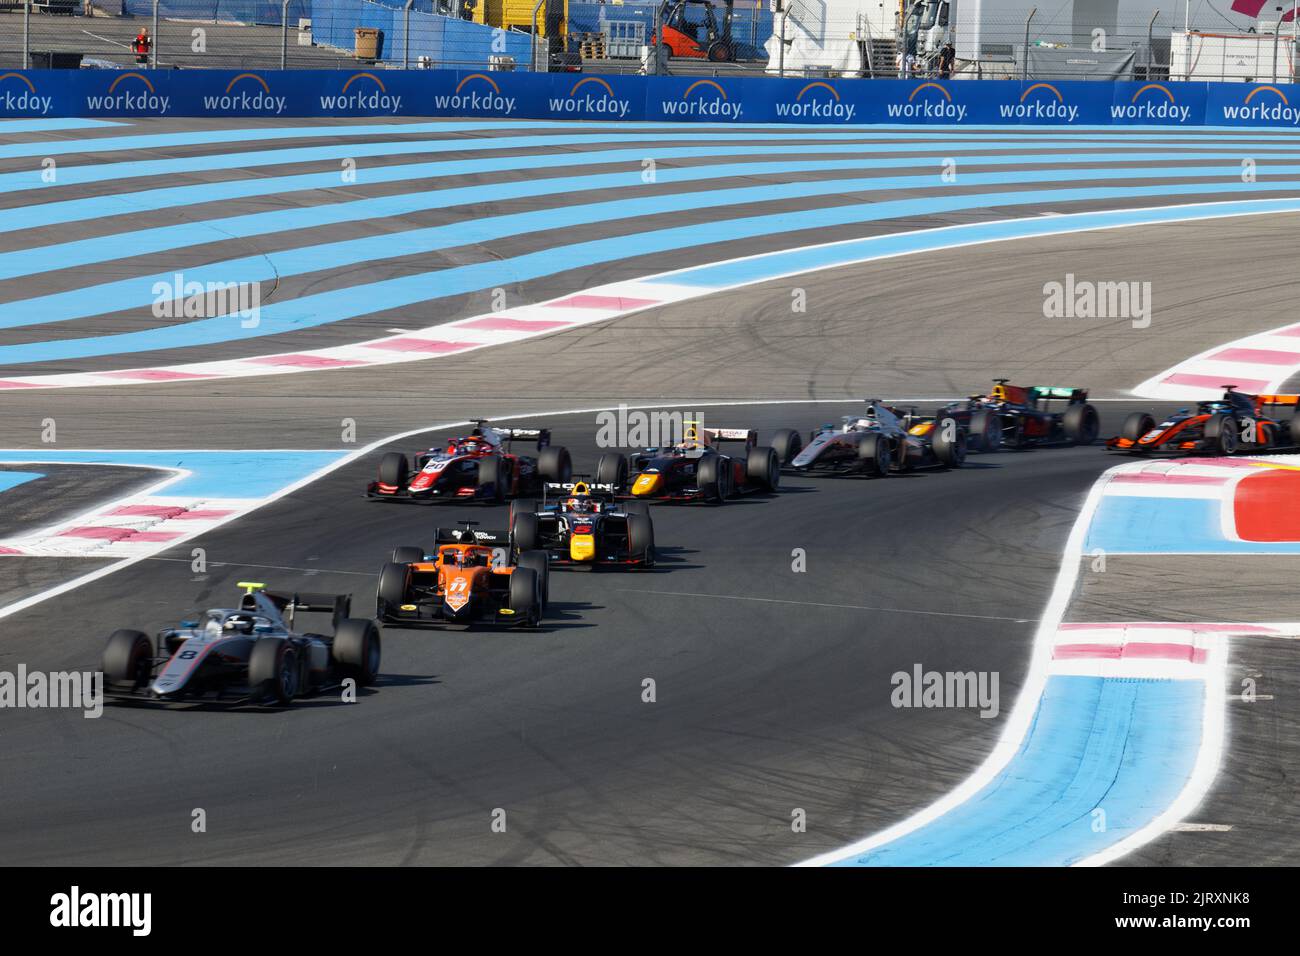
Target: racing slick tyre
[522,506]
[787,443]
[635,508]
[1293,430]
[126,658]
[711,478]
[949,443]
[407,554]
[391,590]
[526,596]
[763,467]
[523,536]
[273,671]
[554,463]
[873,452]
[611,469]
[495,473]
[985,431]
[357,649]
[1136,425]
[539,561]
[393,469]
[1221,434]
[641,538]
[1081,424]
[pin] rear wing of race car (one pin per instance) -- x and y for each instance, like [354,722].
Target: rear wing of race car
[339,606]
[1068,392]
[470,536]
[1293,400]
[747,435]
[562,489]
[542,436]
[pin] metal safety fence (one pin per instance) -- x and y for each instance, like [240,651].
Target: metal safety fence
[795,38]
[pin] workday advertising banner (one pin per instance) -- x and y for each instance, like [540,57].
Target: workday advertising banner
[1253,104]
[574,96]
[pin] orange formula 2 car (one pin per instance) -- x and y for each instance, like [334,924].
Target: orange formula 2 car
[1238,422]
[470,578]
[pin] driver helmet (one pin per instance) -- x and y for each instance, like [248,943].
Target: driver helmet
[238,624]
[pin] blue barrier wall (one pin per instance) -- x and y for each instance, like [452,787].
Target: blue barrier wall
[522,95]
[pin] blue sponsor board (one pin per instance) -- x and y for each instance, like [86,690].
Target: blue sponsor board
[38,94]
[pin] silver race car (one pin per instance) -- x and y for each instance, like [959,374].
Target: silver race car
[883,439]
[250,653]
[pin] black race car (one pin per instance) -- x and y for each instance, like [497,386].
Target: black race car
[249,653]
[1019,416]
[584,526]
[696,468]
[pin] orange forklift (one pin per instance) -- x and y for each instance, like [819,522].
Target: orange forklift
[691,29]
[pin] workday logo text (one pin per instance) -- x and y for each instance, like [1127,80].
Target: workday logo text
[477,99]
[696,101]
[363,92]
[18,95]
[253,96]
[191,299]
[130,93]
[823,103]
[929,101]
[1151,102]
[1040,102]
[597,98]
[1272,107]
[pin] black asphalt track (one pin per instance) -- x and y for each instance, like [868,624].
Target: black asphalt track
[772,687]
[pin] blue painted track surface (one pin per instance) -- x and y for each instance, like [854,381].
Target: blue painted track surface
[1122,747]
[215,474]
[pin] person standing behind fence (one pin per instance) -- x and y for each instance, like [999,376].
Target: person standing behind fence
[141,46]
[947,58]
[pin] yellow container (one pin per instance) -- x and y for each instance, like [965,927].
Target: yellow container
[519,14]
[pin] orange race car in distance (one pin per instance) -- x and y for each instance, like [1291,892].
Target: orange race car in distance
[1235,423]
[470,578]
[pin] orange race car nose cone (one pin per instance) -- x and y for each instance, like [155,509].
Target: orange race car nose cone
[646,484]
[458,591]
[582,547]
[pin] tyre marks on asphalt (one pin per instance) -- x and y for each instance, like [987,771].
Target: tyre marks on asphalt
[1126,732]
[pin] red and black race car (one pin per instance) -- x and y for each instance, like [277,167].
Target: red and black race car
[478,466]
[1235,423]
[695,468]
[1021,416]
